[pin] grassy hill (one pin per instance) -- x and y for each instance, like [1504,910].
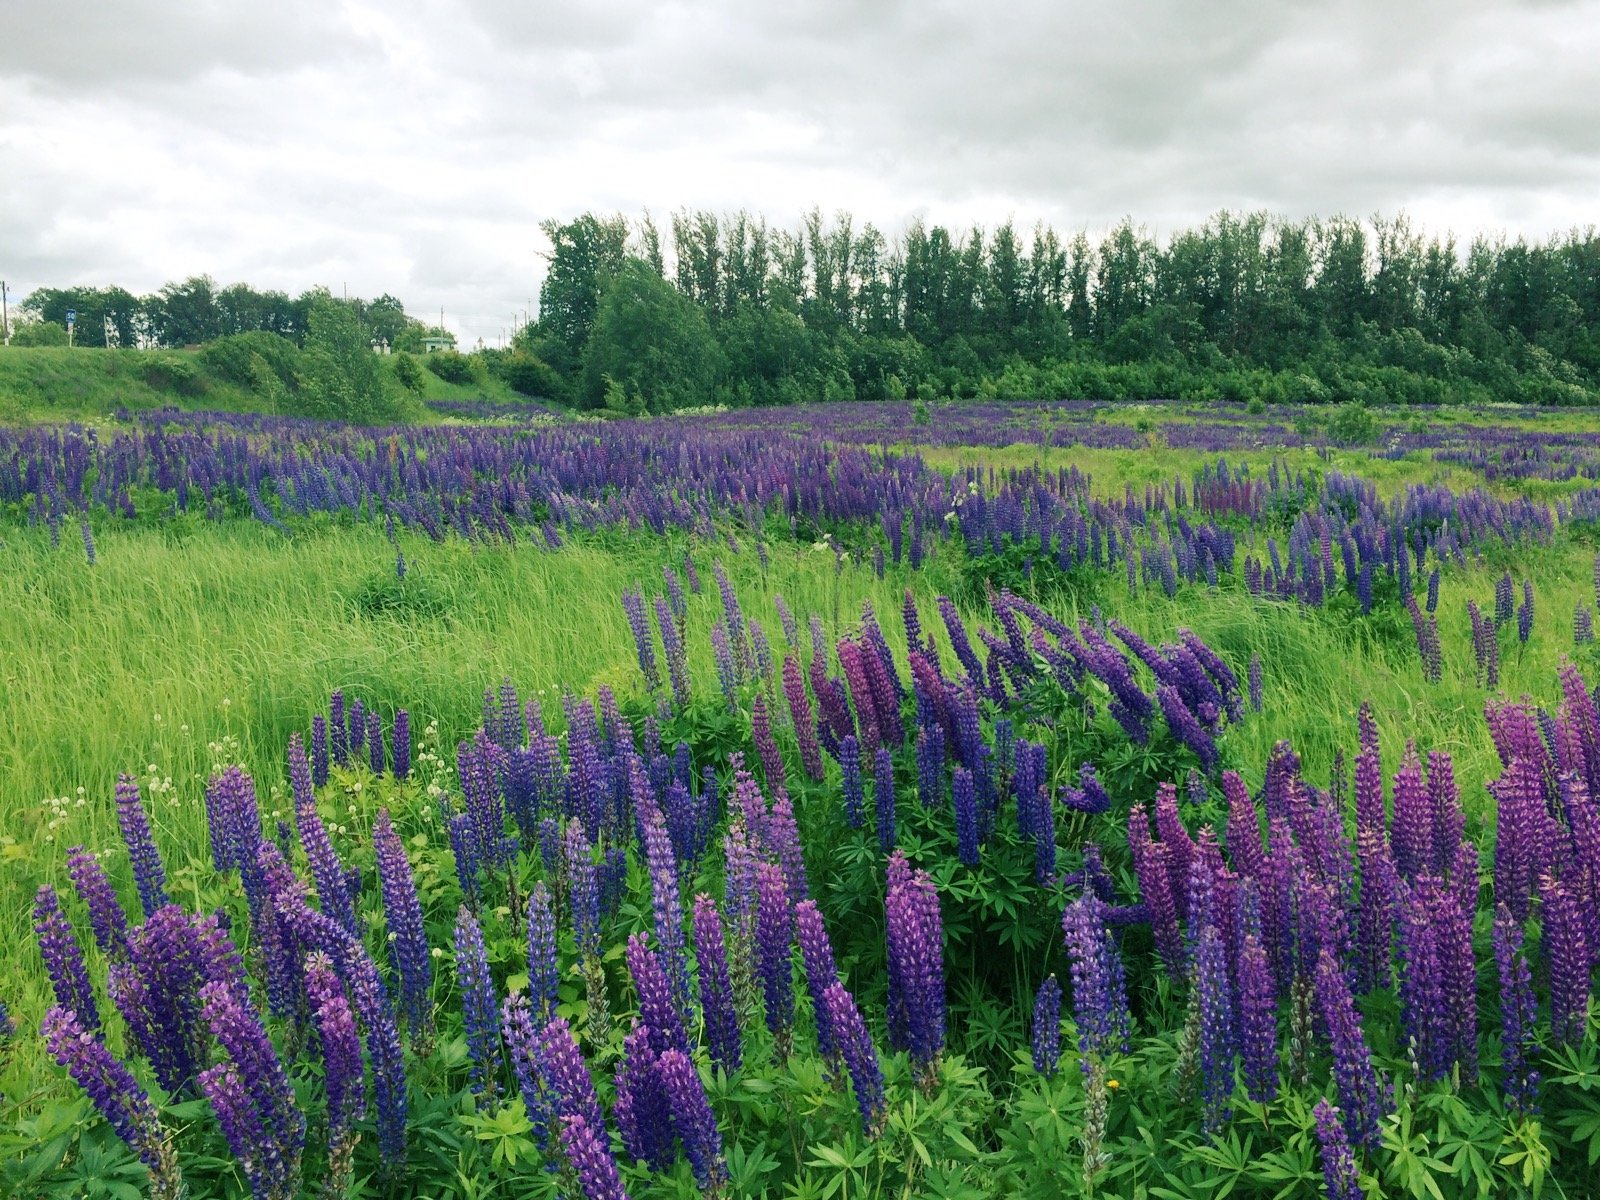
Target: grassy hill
[54,383]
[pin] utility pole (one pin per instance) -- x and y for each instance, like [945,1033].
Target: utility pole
[5,316]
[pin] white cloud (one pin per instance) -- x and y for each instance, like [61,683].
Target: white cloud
[413,147]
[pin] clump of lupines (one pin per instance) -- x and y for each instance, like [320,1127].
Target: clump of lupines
[113,1090]
[916,964]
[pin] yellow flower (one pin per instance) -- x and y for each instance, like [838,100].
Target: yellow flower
[1113,1084]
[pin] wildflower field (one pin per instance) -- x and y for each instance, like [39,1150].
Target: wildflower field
[861,801]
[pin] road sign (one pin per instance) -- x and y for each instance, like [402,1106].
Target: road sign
[72,315]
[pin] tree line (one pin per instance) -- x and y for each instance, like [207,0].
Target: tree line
[732,309]
[196,311]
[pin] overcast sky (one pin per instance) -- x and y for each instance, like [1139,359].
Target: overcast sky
[413,146]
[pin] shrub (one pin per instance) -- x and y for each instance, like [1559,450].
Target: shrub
[169,373]
[231,358]
[453,367]
[408,371]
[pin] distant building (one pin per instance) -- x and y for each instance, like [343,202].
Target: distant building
[432,344]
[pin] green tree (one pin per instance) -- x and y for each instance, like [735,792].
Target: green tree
[341,379]
[584,255]
[652,341]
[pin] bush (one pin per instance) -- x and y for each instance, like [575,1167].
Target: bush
[340,379]
[529,375]
[232,358]
[408,371]
[169,373]
[453,367]
[1352,425]
[38,333]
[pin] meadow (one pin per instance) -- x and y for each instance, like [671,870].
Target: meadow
[759,803]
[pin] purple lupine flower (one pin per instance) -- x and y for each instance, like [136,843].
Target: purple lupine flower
[148,873]
[727,668]
[338,731]
[106,917]
[859,1055]
[358,729]
[1217,1033]
[1504,600]
[1090,796]
[1099,990]
[341,1060]
[113,1090]
[673,651]
[1582,625]
[693,1119]
[1569,959]
[767,745]
[1425,1000]
[883,795]
[658,1008]
[821,973]
[675,598]
[591,1159]
[402,744]
[1339,1174]
[1047,1027]
[63,958]
[791,628]
[930,766]
[1361,1095]
[852,661]
[582,890]
[571,1088]
[642,1110]
[916,964]
[242,1128]
[468,855]
[852,787]
[1185,727]
[783,838]
[1433,591]
[319,750]
[639,623]
[716,989]
[774,963]
[1412,834]
[666,901]
[408,943]
[327,871]
[1518,1012]
[522,1047]
[1152,868]
[805,729]
[544,965]
[278,1121]
[964,800]
[1255,682]
[375,748]
[1257,1021]
[480,1011]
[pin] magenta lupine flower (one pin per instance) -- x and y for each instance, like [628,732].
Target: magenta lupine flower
[1180,846]
[106,917]
[716,988]
[859,1055]
[408,945]
[1047,1027]
[583,1142]
[774,963]
[916,963]
[278,1124]
[693,1119]
[855,673]
[333,887]
[767,745]
[149,876]
[1152,868]
[1569,960]
[642,1110]
[113,1090]
[657,1007]
[480,1010]
[1412,833]
[816,953]
[805,729]
[1257,1021]
[1099,990]
[1340,1177]
[1361,1095]
[1518,1013]
[63,958]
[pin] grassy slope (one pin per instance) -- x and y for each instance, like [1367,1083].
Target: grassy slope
[42,384]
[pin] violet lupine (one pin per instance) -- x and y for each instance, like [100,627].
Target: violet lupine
[727,670]
[408,943]
[692,1118]
[930,766]
[1340,1178]
[583,1143]
[1361,1095]
[1217,1032]
[673,651]
[338,731]
[852,786]
[859,1055]
[767,745]
[666,903]
[106,918]
[149,876]
[117,1096]
[642,1111]
[1525,612]
[342,1067]
[333,888]
[480,1012]
[402,744]
[883,795]
[816,953]
[270,1122]
[1518,1013]
[468,856]
[522,1048]
[716,988]
[633,608]
[658,1008]
[915,933]
[805,729]
[63,958]
[1186,728]
[1090,796]
[1099,990]
[1153,869]
[774,963]
[1424,995]
[1582,625]
[1569,959]
[1255,682]
[544,965]
[570,1086]
[1047,1027]
[964,801]
[1257,1021]
[319,750]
